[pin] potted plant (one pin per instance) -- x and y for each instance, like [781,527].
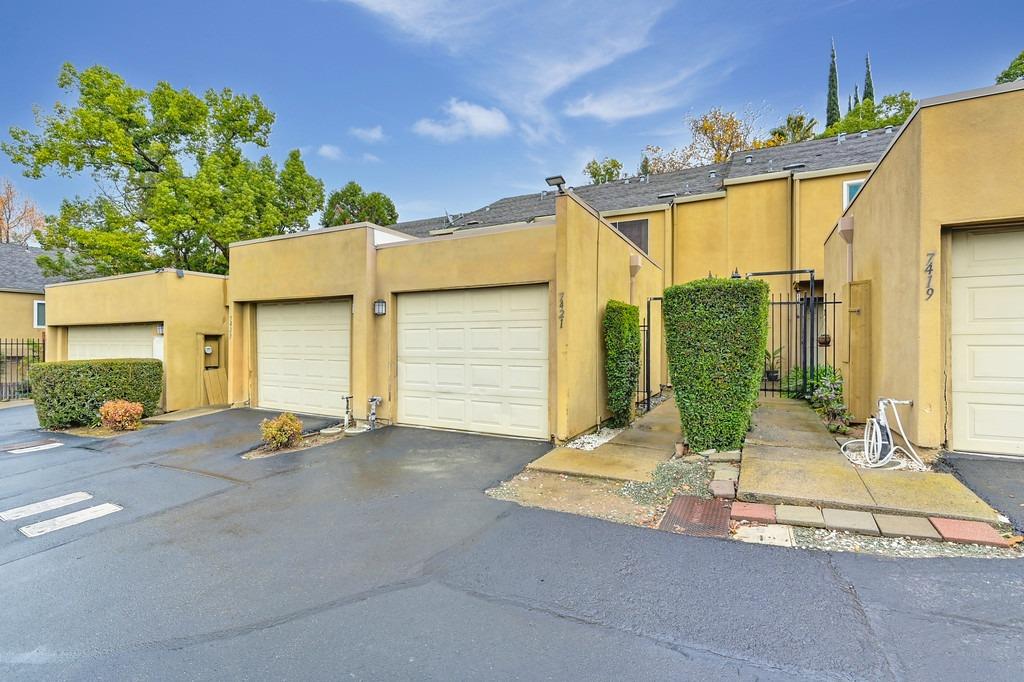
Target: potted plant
[772,361]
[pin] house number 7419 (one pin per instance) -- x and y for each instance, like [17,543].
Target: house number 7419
[929,269]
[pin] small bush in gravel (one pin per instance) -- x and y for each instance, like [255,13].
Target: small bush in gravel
[283,431]
[671,477]
[121,415]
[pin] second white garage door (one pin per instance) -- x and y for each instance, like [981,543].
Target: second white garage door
[988,341]
[303,352]
[475,360]
[98,342]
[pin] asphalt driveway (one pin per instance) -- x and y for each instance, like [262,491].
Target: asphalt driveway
[379,557]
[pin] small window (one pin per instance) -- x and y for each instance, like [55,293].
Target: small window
[850,189]
[635,231]
[39,314]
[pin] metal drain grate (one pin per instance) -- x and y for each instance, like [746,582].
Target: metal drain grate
[697,516]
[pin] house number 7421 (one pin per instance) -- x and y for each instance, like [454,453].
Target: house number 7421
[929,269]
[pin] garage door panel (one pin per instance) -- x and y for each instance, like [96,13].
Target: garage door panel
[487,354]
[303,351]
[99,342]
[987,324]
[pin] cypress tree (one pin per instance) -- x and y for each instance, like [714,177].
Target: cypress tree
[832,113]
[869,85]
[856,96]
[849,103]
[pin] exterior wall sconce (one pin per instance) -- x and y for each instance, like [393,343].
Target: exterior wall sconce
[380,307]
[159,328]
[736,273]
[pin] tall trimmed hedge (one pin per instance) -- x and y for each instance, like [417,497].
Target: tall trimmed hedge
[622,360]
[715,332]
[69,393]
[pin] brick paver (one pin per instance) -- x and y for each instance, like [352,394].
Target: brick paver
[723,489]
[973,532]
[753,511]
[906,526]
[799,516]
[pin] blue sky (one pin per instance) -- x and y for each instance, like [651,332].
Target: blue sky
[450,105]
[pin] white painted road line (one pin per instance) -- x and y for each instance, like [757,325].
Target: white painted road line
[74,518]
[44,506]
[35,448]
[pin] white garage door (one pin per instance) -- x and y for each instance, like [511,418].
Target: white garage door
[303,352]
[475,360]
[114,341]
[988,341]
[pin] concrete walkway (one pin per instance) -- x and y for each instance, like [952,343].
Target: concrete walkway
[791,458]
[630,456]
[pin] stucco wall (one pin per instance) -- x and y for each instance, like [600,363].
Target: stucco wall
[819,201]
[16,315]
[957,163]
[593,266]
[190,308]
[701,239]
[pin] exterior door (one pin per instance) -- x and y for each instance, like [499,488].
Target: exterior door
[475,360]
[988,341]
[303,352]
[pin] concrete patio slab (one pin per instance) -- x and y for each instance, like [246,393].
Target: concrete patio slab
[806,420]
[663,441]
[730,456]
[772,534]
[182,415]
[825,484]
[925,493]
[618,462]
[784,454]
[893,526]
[791,438]
[809,517]
[849,520]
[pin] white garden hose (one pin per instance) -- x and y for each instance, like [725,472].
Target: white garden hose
[877,449]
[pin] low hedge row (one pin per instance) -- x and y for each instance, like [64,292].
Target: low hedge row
[70,393]
[622,360]
[715,333]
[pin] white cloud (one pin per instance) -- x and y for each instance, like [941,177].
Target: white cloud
[635,100]
[522,55]
[330,151]
[368,135]
[371,158]
[464,119]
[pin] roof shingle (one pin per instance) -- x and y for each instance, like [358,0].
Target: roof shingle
[19,271]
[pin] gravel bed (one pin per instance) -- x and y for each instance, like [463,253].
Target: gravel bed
[839,541]
[590,441]
[671,477]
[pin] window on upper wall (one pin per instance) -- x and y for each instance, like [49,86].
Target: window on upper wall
[39,314]
[850,189]
[635,231]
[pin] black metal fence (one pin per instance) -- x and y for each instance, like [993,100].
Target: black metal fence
[16,356]
[644,390]
[801,338]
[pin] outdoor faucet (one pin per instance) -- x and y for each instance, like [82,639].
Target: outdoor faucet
[348,411]
[372,417]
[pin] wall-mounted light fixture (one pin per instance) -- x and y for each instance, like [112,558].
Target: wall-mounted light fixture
[736,273]
[380,307]
[159,328]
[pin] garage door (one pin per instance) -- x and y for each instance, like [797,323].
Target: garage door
[988,341]
[475,360]
[303,352]
[114,341]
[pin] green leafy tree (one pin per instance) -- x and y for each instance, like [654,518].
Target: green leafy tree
[797,128]
[892,110]
[173,186]
[351,205]
[869,83]
[603,171]
[645,167]
[1014,71]
[832,113]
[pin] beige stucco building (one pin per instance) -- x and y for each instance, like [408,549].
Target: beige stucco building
[929,261]
[176,316]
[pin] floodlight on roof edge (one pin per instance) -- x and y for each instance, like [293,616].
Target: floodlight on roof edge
[556,181]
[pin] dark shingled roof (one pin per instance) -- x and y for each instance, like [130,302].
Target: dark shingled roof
[639,191]
[19,272]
